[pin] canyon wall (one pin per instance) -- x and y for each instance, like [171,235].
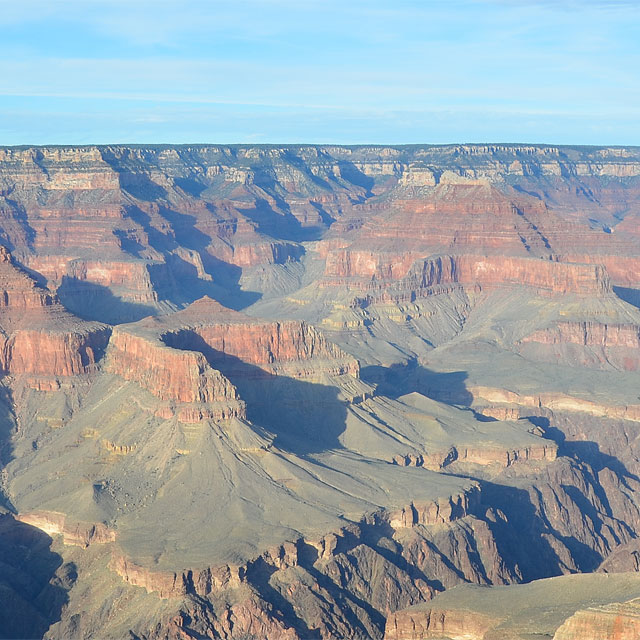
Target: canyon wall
[163,219]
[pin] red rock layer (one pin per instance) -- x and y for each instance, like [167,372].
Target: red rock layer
[175,357]
[475,222]
[17,289]
[130,274]
[586,344]
[593,334]
[623,270]
[250,205]
[293,346]
[44,352]
[486,398]
[369,271]
[170,374]
[422,623]
[38,336]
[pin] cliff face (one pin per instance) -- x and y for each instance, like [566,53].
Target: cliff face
[39,336]
[437,623]
[164,219]
[590,334]
[590,344]
[180,358]
[620,621]
[368,271]
[57,354]
[168,373]
[228,333]
[514,612]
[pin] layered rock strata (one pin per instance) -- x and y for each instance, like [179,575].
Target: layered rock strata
[39,337]
[210,580]
[596,344]
[177,358]
[618,621]
[514,612]
[226,476]
[365,271]
[164,217]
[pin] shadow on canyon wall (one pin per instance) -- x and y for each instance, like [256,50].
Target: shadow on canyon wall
[180,282]
[523,535]
[305,417]
[33,580]
[400,379]
[177,283]
[7,429]
[632,296]
[91,301]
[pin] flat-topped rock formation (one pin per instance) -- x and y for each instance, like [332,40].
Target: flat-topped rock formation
[545,608]
[272,346]
[370,272]
[180,357]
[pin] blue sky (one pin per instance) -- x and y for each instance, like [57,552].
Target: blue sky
[349,71]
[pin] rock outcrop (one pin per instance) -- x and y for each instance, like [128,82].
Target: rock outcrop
[366,271]
[618,621]
[476,613]
[81,534]
[597,344]
[180,358]
[39,337]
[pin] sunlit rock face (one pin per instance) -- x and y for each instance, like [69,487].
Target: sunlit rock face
[39,336]
[320,391]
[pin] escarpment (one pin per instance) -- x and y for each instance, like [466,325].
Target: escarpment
[210,581]
[183,357]
[374,272]
[165,220]
[609,622]
[39,337]
[320,391]
[590,344]
[514,612]
[589,334]
[183,377]
[273,346]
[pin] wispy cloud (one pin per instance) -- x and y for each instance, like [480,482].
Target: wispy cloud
[325,62]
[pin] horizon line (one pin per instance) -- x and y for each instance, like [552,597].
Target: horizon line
[380,145]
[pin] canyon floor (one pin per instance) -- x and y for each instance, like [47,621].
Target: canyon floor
[320,392]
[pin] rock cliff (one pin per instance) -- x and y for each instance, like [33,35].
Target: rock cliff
[181,357]
[515,612]
[619,621]
[169,220]
[39,337]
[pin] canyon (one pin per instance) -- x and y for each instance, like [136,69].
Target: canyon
[320,392]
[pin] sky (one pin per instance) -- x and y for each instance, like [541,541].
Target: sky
[319,71]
